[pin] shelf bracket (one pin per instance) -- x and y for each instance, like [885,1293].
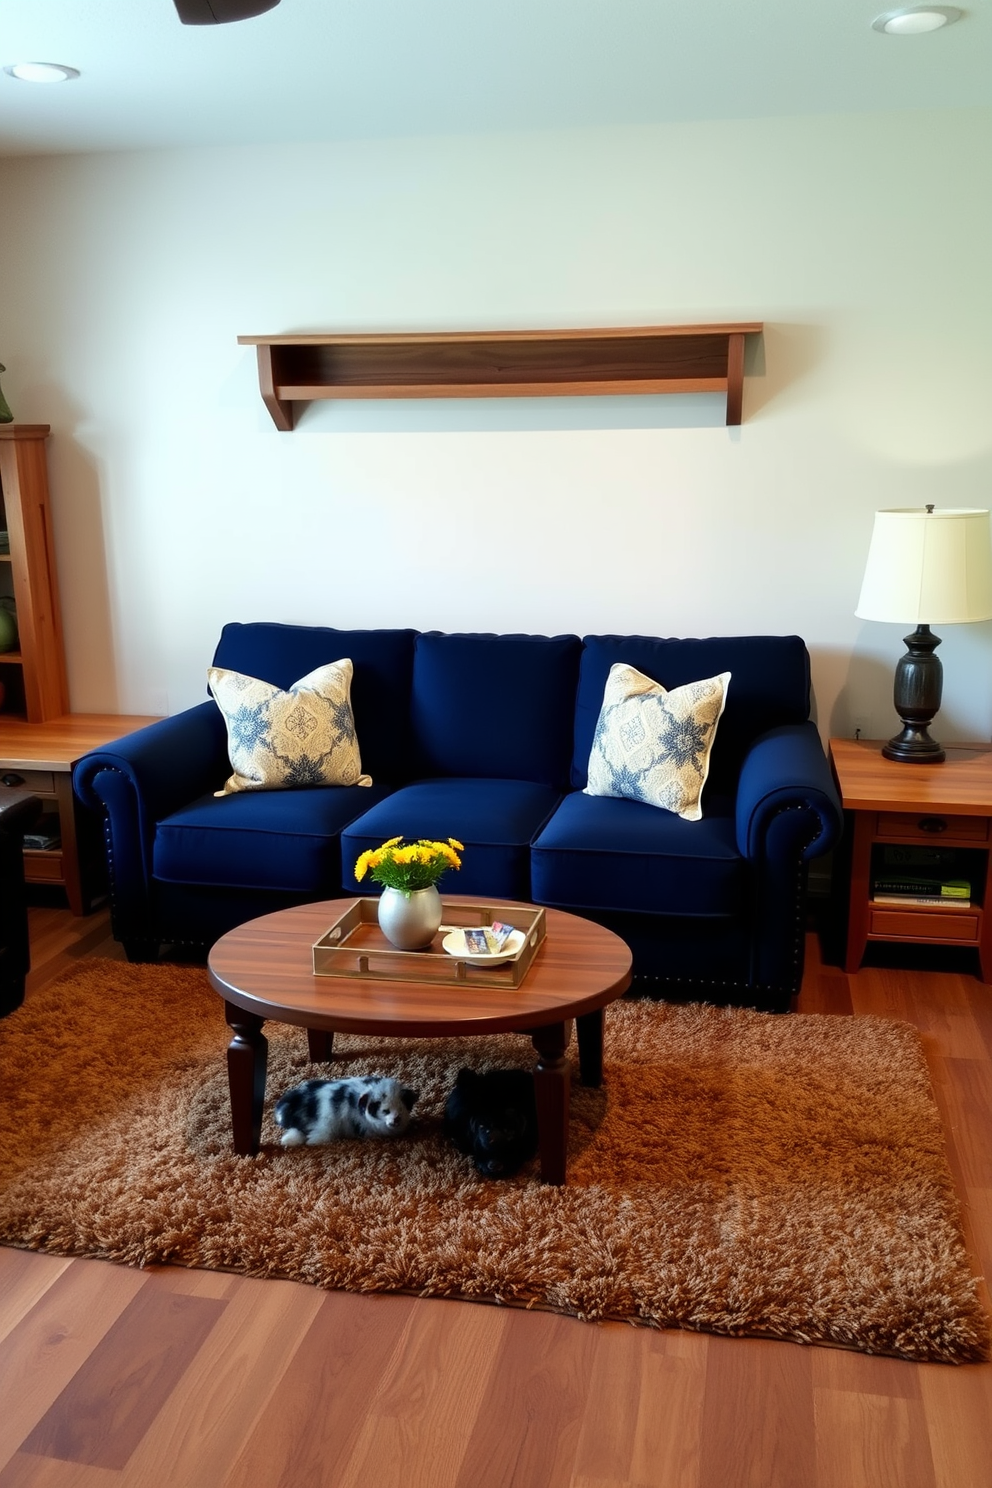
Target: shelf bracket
[735,378]
[280,409]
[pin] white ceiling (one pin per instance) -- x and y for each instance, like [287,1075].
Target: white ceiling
[343,69]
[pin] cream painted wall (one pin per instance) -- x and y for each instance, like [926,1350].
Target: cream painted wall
[863,243]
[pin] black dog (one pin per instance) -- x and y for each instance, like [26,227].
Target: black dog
[492,1118]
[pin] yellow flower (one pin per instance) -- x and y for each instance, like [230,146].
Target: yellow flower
[455,843]
[408,867]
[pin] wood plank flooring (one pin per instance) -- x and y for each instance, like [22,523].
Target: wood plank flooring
[113,1378]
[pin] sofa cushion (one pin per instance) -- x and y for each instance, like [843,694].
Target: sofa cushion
[495,707]
[495,820]
[380,691]
[770,688]
[283,840]
[652,745]
[598,853]
[280,740]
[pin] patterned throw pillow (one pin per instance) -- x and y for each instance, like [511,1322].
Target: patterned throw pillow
[277,740]
[652,745]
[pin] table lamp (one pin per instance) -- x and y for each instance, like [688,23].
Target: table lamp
[925,567]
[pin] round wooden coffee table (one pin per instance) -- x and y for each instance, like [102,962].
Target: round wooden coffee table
[264,969]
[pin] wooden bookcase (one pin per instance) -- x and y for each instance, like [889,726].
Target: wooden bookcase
[39,739]
[34,674]
[294,370]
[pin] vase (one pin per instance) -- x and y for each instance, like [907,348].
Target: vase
[410,921]
[8,624]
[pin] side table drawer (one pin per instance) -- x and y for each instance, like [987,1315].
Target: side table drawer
[930,826]
[42,782]
[941,925]
[43,867]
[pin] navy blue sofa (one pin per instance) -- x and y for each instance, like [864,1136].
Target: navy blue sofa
[486,738]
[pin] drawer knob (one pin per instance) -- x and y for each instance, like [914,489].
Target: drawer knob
[11,779]
[932,824]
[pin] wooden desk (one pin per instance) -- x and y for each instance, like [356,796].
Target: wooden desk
[947,805]
[39,757]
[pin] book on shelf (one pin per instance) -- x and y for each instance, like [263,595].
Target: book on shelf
[942,888]
[42,841]
[937,859]
[45,835]
[903,899]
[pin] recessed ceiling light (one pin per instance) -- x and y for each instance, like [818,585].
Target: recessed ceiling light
[41,72]
[916,20]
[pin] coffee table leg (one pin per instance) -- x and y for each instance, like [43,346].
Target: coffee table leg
[247,1057]
[551,1082]
[589,1031]
[320,1044]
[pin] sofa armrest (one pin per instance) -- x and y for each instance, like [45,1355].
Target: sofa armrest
[786,770]
[138,780]
[167,763]
[788,811]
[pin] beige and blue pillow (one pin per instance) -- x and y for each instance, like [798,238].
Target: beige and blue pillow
[653,745]
[279,739]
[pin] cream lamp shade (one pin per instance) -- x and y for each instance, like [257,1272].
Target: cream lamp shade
[925,567]
[928,567]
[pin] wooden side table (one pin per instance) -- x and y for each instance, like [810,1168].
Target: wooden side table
[39,757]
[947,805]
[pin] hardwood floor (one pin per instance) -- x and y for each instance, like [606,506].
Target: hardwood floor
[113,1378]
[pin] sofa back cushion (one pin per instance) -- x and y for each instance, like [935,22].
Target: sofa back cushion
[380,689]
[769,686]
[495,706]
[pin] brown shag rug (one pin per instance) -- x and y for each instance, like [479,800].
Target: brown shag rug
[739,1173]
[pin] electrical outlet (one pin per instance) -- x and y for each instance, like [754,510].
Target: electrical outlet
[861,726]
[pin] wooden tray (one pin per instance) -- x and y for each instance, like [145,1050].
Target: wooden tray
[354,946]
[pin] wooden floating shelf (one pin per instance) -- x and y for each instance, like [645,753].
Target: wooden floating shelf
[502,364]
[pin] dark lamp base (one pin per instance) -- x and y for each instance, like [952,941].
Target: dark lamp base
[916,693]
[914,746]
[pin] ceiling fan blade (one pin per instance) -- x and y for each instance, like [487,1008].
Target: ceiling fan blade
[216,12]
